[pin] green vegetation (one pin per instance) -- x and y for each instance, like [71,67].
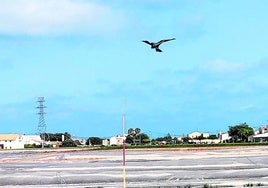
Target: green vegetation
[249,185]
[56,136]
[241,132]
[208,186]
[135,137]
[95,141]
[28,146]
[69,143]
[252,185]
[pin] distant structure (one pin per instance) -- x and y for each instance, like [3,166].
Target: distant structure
[41,123]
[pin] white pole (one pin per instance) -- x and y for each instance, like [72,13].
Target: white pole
[124,145]
[124,152]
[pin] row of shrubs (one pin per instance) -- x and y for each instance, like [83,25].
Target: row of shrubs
[74,144]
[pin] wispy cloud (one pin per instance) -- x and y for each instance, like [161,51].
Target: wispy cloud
[247,107]
[41,17]
[222,66]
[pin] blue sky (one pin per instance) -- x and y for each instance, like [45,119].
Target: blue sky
[86,58]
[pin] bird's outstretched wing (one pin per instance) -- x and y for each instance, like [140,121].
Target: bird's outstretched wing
[165,40]
[147,42]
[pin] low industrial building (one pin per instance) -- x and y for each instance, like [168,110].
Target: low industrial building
[259,138]
[11,141]
[32,140]
[105,142]
[198,134]
[224,137]
[263,129]
[194,135]
[116,140]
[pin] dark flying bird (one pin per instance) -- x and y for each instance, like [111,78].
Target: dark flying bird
[157,44]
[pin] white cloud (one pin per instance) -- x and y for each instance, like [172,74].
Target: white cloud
[41,17]
[247,107]
[221,66]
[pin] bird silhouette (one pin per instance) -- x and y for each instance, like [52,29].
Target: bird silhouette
[157,44]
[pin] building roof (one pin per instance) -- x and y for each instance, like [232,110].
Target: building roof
[261,135]
[196,132]
[8,136]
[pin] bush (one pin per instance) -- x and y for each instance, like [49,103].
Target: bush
[32,146]
[260,184]
[69,143]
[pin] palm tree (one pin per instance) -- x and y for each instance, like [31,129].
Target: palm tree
[137,131]
[131,131]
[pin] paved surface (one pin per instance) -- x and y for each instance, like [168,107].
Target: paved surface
[145,168]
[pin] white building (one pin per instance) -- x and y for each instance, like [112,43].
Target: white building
[32,139]
[205,141]
[205,135]
[263,129]
[117,140]
[105,142]
[11,141]
[178,139]
[194,135]
[258,138]
[224,136]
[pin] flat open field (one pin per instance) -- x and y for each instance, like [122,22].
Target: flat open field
[223,167]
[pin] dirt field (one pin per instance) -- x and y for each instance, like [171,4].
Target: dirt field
[221,167]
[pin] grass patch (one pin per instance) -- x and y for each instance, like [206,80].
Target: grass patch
[252,185]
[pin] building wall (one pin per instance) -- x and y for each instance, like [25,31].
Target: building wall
[116,140]
[224,137]
[194,134]
[16,143]
[258,138]
[105,142]
[263,129]
[205,135]
[32,139]
[205,141]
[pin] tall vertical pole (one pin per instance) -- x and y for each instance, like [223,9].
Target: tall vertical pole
[124,151]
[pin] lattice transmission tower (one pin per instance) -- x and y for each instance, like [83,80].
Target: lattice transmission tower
[42,122]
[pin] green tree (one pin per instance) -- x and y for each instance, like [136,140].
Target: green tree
[240,132]
[136,137]
[69,143]
[137,131]
[129,139]
[213,136]
[94,141]
[45,136]
[166,138]
[186,140]
[131,131]
[144,138]
[56,136]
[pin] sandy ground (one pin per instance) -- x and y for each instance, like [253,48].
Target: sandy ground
[221,167]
